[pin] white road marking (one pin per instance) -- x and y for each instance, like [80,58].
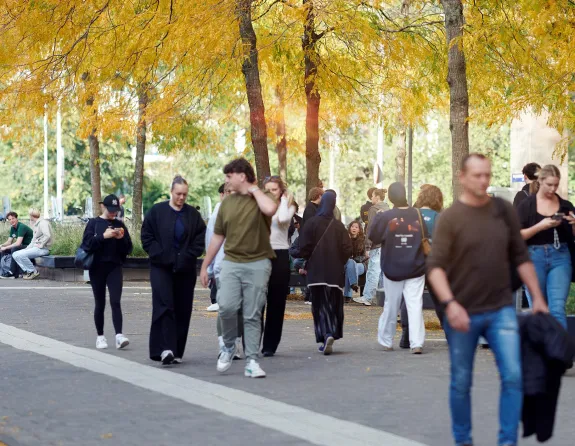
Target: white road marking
[26,288]
[291,420]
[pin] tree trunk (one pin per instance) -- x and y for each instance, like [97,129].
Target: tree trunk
[143,100]
[94,145]
[410,165]
[400,156]
[250,69]
[458,95]
[311,58]
[281,143]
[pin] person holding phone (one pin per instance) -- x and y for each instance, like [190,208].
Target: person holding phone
[109,240]
[547,223]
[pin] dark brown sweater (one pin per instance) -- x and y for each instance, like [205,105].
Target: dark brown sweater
[475,246]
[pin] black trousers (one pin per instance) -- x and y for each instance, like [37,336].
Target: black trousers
[278,289]
[172,303]
[327,311]
[213,291]
[108,275]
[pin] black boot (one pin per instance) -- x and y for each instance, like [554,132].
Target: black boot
[404,343]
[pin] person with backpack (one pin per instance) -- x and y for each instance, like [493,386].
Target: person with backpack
[109,241]
[401,233]
[326,245]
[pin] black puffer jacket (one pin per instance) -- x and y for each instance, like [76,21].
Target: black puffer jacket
[547,351]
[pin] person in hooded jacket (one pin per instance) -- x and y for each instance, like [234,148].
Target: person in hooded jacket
[326,246]
[173,235]
[403,264]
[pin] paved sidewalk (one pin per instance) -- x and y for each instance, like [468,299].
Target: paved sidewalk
[393,392]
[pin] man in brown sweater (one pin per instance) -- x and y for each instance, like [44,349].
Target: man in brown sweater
[475,243]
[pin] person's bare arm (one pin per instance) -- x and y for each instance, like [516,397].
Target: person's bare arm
[456,315]
[544,224]
[8,246]
[529,277]
[215,244]
[267,206]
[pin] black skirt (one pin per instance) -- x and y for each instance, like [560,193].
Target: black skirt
[327,310]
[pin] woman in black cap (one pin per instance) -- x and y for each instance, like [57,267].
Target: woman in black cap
[173,235]
[109,240]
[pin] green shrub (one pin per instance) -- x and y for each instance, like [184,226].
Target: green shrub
[570,306]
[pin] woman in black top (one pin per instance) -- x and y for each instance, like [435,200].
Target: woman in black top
[547,221]
[326,246]
[109,240]
[356,264]
[173,235]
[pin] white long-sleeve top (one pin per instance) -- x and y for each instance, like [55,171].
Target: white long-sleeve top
[216,265]
[280,225]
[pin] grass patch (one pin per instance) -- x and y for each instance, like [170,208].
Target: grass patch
[67,239]
[570,306]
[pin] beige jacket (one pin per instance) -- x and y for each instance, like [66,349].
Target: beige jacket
[42,237]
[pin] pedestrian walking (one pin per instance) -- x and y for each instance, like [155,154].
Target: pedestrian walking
[209,232]
[355,265]
[364,210]
[326,246]
[373,276]
[430,204]
[400,233]
[173,235]
[474,246]
[243,222]
[278,286]
[108,239]
[547,225]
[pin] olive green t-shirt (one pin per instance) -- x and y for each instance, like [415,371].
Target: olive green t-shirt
[246,229]
[21,230]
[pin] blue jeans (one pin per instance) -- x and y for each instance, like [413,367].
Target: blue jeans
[352,272]
[373,279]
[501,329]
[553,267]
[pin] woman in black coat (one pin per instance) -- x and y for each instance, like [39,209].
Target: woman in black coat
[326,246]
[173,235]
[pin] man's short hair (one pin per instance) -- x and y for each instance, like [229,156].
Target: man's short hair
[469,157]
[370,192]
[222,188]
[380,193]
[33,212]
[11,214]
[315,193]
[530,171]
[241,165]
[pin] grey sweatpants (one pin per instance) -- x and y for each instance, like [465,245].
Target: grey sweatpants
[219,319]
[243,286]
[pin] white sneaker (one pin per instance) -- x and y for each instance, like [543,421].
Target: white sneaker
[167,357]
[359,300]
[238,352]
[101,342]
[307,302]
[177,361]
[121,341]
[366,302]
[213,307]
[225,360]
[253,370]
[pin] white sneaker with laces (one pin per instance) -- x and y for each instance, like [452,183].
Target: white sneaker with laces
[359,300]
[213,307]
[238,352]
[225,360]
[121,341]
[253,370]
[101,342]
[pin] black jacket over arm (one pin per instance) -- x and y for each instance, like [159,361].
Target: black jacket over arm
[109,250]
[158,237]
[547,351]
[325,265]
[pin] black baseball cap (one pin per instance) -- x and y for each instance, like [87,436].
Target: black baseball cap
[112,203]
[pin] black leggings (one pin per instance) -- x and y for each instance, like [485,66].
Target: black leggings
[102,275]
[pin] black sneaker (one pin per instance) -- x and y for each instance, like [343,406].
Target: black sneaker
[7,276]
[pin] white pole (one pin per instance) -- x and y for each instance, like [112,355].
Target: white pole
[59,166]
[380,149]
[46,208]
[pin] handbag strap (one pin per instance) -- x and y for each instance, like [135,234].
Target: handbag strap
[423,228]
[320,239]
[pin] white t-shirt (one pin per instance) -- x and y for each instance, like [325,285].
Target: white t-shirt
[280,225]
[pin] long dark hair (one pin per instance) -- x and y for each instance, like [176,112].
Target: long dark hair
[360,234]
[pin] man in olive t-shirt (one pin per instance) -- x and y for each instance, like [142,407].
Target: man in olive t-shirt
[243,221]
[475,242]
[20,237]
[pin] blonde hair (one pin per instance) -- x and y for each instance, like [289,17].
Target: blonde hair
[548,171]
[33,212]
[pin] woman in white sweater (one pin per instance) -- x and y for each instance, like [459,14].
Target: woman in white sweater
[278,286]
